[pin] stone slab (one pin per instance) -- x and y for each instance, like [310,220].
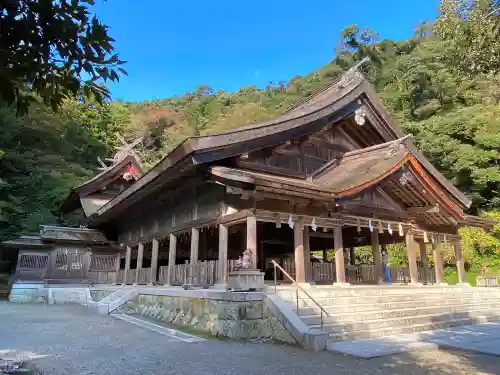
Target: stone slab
[370,348]
[482,338]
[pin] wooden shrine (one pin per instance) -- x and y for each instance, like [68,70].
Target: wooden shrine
[334,172]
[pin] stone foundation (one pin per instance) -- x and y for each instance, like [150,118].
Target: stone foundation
[52,294]
[98,295]
[224,314]
[28,293]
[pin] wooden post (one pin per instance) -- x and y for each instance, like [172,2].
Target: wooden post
[424,262]
[307,255]
[438,261]
[126,273]
[117,267]
[460,261]
[339,254]
[412,258]
[140,256]
[377,258]
[298,239]
[172,253]
[223,240]
[352,256]
[154,262]
[252,238]
[195,241]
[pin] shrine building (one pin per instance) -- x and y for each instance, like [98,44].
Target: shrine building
[334,172]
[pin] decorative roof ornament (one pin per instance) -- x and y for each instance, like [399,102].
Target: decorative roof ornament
[351,74]
[125,150]
[360,116]
[314,227]
[121,153]
[405,178]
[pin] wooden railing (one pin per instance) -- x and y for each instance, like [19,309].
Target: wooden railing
[207,273]
[102,277]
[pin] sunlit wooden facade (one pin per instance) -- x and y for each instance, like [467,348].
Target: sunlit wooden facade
[334,172]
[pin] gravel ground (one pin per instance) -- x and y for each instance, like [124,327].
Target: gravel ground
[72,340]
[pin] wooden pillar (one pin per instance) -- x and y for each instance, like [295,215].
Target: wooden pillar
[377,258]
[307,255]
[460,261]
[223,241]
[154,262]
[140,256]
[126,272]
[298,241]
[412,258]
[195,242]
[172,253]
[117,267]
[424,262]
[252,238]
[438,261]
[339,254]
[352,256]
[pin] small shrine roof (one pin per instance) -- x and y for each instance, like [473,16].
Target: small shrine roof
[72,201]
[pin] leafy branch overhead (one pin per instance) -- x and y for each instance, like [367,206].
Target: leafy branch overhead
[53,49]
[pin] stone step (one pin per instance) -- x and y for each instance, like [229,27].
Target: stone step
[307,307]
[380,324]
[414,292]
[305,301]
[331,291]
[364,334]
[315,319]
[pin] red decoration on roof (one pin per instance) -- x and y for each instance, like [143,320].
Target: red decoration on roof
[131,174]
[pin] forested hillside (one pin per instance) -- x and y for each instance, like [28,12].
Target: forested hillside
[442,85]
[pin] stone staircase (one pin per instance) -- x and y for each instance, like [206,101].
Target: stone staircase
[114,300]
[368,312]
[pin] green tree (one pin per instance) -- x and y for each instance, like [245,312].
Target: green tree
[53,50]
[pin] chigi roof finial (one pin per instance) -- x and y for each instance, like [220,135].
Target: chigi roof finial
[122,152]
[351,73]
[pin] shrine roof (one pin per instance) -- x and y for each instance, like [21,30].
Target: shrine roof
[355,171]
[72,201]
[342,98]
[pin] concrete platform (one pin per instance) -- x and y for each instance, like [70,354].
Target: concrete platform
[480,338]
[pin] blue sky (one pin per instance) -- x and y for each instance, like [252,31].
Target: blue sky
[172,46]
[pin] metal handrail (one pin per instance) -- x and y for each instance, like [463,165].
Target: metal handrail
[297,287]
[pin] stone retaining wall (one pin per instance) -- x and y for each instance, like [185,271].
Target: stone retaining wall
[28,293]
[220,315]
[98,295]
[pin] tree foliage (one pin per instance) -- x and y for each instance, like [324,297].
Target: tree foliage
[53,50]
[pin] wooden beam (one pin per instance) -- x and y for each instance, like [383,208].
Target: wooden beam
[252,238]
[377,257]
[298,239]
[126,273]
[223,244]
[412,258]
[172,255]
[154,262]
[140,257]
[339,255]
[421,210]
